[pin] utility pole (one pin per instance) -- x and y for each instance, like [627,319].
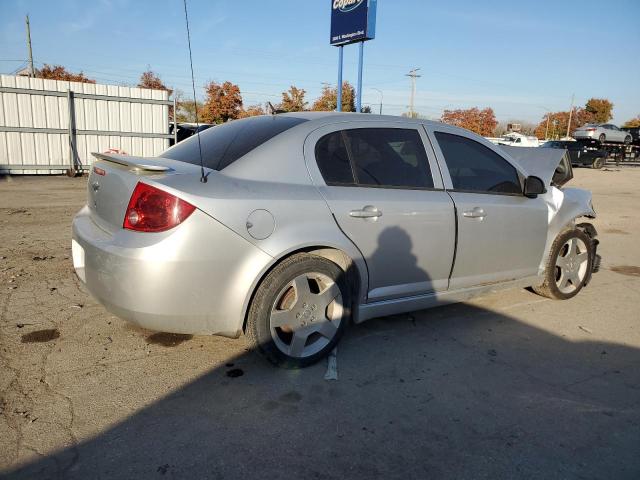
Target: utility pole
[32,73]
[570,113]
[413,75]
[546,132]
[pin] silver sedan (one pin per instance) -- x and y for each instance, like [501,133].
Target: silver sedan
[288,227]
[603,132]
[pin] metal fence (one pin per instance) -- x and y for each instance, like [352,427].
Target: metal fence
[53,126]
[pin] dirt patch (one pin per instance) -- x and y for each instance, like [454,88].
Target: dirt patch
[616,231]
[41,336]
[168,339]
[630,270]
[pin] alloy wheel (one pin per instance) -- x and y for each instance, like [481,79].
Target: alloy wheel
[306,315]
[571,265]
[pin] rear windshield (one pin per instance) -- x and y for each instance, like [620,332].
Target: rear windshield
[224,144]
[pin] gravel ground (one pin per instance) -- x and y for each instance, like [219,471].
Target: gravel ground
[510,385]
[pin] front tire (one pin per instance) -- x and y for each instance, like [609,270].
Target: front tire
[598,163]
[602,138]
[568,266]
[299,311]
[627,140]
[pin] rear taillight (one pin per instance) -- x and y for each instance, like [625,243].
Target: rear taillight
[590,129]
[153,210]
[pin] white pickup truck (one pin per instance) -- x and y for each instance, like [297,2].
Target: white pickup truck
[514,139]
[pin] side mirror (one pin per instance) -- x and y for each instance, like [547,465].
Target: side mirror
[533,186]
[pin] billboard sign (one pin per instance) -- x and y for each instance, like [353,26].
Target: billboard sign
[352,21]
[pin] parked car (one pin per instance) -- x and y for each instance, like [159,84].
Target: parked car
[635,134]
[603,132]
[186,130]
[291,226]
[579,153]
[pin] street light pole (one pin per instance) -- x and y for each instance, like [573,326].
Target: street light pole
[381,97]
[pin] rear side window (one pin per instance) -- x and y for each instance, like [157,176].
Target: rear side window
[476,168]
[333,160]
[224,144]
[390,157]
[381,157]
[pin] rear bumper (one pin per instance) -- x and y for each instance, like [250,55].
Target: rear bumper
[193,279]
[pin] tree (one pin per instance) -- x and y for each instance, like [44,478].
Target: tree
[252,111]
[150,79]
[187,112]
[634,122]
[293,100]
[600,108]
[223,102]
[328,100]
[482,122]
[58,72]
[558,123]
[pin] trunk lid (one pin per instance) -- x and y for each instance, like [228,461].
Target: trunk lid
[113,178]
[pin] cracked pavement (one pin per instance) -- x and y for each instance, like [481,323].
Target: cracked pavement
[510,385]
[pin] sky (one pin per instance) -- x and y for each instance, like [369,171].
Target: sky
[519,58]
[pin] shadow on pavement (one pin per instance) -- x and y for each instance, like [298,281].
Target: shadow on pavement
[460,392]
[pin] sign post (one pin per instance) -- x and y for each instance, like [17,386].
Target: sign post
[339,91]
[352,21]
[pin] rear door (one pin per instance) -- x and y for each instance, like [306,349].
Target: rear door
[501,233]
[387,196]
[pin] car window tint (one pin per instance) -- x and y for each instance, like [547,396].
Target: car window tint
[390,157]
[475,167]
[333,160]
[224,144]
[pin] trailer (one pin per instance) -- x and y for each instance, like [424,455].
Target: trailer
[601,153]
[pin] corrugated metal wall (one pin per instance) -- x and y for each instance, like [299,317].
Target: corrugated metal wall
[32,112]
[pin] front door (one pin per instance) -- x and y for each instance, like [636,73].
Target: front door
[501,233]
[386,195]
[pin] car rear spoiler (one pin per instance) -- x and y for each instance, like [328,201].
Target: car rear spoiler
[136,163]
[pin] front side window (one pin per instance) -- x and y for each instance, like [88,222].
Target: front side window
[474,167]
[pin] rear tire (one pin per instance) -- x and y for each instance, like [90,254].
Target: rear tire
[602,138]
[598,163]
[299,311]
[568,265]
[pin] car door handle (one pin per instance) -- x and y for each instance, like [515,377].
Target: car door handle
[368,211]
[477,212]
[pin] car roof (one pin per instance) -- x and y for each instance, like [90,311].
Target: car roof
[330,117]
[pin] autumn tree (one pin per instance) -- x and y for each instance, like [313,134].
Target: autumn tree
[634,122]
[150,79]
[187,111]
[600,109]
[482,122]
[328,100]
[557,123]
[58,72]
[252,111]
[223,102]
[293,100]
